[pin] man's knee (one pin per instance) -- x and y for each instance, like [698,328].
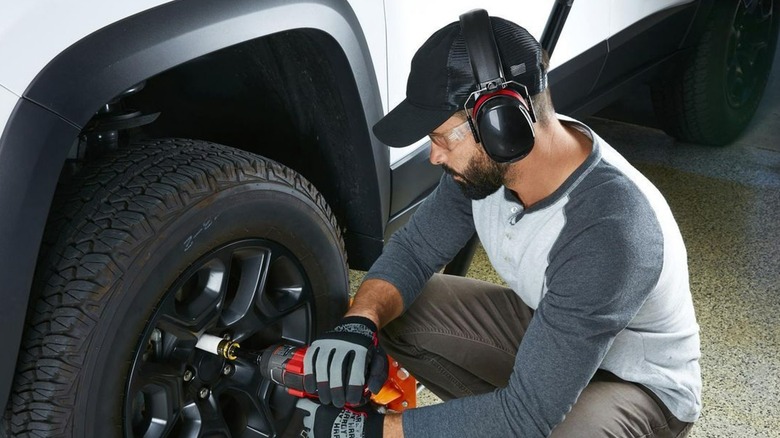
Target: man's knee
[610,407]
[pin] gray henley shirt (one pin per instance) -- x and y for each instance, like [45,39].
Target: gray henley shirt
[603,264]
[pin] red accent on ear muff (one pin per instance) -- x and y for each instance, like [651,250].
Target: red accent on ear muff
[502,92]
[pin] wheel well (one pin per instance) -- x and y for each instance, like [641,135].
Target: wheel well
[290,97]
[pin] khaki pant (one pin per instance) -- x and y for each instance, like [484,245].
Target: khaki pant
[460,338]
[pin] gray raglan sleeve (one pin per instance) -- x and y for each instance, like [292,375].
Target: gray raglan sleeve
[600,273]
[432,237]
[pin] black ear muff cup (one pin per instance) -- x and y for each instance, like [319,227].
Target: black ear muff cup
[502,117]
[498,119]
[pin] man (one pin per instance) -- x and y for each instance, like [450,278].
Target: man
[596,334]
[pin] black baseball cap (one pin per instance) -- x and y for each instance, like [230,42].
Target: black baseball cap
[441,79]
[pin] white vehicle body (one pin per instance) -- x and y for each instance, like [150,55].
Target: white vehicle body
[33,33]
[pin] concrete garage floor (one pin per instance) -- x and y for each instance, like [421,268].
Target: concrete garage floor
[727,202]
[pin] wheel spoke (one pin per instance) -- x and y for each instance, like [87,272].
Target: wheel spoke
[248,411]
[283,403]
[280,294]
[197,300]
[155,398]
[190,421]
[212,420]
[177,342]
[248,268]
[247,327]
[284,290]
[157,372]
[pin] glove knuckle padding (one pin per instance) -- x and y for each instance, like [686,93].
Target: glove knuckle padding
[322,364]
[337,368]
[309,377]
[357,373]
[322,367]
[308,358]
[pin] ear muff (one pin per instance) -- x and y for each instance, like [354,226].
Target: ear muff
[504,126]
[502,116]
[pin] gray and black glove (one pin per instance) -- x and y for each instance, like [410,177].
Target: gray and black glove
[321,421]
[344,361]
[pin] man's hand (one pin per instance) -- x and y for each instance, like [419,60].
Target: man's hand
[329,422]
[336,365]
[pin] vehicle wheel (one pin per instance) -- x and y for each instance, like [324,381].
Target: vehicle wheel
[714,95]
[168,240]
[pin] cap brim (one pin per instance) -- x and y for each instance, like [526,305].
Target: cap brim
[407,123]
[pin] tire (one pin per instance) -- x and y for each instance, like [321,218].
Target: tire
[714,93]
[165,241]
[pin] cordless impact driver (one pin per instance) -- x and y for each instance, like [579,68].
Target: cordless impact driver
[283,365]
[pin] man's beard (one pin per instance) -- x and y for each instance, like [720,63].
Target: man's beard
[481,178]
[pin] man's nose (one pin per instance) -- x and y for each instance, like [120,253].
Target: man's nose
[438,155]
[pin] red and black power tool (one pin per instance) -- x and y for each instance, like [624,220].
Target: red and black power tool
[283,364]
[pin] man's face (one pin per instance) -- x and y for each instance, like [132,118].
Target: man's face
[454,148]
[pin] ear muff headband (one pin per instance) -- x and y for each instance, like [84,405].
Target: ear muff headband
[482,49]
[500,117]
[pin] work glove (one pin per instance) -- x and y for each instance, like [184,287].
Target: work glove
[341,363]
[321,421]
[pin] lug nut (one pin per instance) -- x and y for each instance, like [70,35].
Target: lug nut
[204,392]
[227,369]
[188,375]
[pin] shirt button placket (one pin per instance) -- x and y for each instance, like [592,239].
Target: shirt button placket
[513,217]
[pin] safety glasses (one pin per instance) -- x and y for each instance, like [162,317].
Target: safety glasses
[454,137]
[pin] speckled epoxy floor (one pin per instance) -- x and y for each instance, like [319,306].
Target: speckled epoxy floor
[727,203]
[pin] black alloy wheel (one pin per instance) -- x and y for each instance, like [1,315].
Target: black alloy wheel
[253,291]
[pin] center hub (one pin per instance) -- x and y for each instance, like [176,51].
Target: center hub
[209,367]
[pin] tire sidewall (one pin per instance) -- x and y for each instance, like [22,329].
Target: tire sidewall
[266,210]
